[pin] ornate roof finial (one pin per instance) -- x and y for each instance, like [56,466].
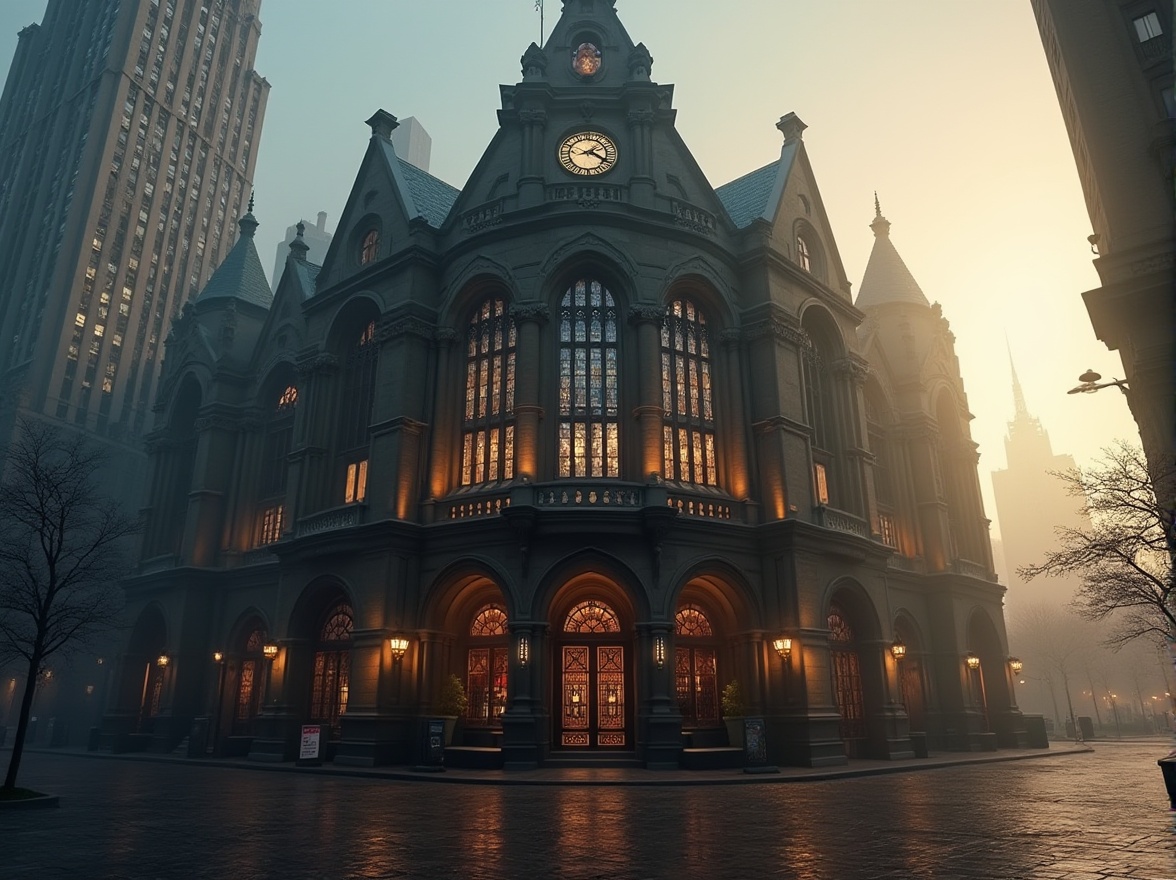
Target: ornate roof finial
[880,225]
[252,194]
[298,245]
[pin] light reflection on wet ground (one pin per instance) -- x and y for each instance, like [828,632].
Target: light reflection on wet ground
[1101,815]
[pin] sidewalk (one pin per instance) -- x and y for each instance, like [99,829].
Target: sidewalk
[608,776]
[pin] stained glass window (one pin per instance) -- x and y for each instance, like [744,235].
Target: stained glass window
[488,437]
[689,431]
[692,621]
[330,684]
[592,617]
[278,439]
[489,621]
[847,675]
[589,404]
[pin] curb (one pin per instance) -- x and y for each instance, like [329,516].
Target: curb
[579,777]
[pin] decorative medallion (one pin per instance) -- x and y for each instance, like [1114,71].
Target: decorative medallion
[586,59]
[588,153]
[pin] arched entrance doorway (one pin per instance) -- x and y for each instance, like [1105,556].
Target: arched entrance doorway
[250,684]
[696,667]
[912,679]
[593,695]
[847,681]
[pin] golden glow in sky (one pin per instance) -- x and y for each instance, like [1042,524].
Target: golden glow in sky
[945,108]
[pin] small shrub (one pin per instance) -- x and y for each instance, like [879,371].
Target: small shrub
[733,706]
[453,699]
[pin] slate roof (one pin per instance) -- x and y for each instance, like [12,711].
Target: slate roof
[887,278]
[756,195]
[434,197]
[240,275]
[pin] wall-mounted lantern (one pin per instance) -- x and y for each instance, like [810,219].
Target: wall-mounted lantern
[659,650]
[1016,665]
[398,645]
[898,649]
[162,660]
[783,646]
[524,650]
[269,650]
[972,660]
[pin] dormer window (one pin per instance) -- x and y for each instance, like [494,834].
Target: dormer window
[371,247]
[804,254]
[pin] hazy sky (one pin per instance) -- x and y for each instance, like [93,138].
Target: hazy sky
[945,107]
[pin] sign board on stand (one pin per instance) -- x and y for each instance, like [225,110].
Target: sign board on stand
[310,746]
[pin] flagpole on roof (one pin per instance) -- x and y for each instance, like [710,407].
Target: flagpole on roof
[539,9]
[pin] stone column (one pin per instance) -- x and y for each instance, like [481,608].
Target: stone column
[659,721]
[733,430]
[642,184]
[534,122]
[649,414]
[447,408]
[529,317]
[523,722]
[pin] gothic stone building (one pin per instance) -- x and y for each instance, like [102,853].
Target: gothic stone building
[590,435]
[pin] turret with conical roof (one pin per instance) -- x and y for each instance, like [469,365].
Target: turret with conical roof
[887,278]
[240,276]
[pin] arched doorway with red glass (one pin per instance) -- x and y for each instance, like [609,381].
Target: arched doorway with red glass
[593,690]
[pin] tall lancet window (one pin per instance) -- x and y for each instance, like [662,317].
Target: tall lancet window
[689,431]
[488,437]
[589,432]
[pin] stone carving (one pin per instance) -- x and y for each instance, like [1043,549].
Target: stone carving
[317,363]
[393,327]
[533,117]
[647,314]
[482,218]
[530,312]
[694,219]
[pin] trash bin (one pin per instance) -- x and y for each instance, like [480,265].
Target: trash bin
[198,737]
[1086,725]
[1168,767]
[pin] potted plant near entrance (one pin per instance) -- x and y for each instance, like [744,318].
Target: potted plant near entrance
[733,712]
[451,704]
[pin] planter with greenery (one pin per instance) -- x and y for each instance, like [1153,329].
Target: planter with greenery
[451,704]
[733,711]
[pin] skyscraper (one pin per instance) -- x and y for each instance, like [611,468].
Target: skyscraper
[128,137]
[1031,503]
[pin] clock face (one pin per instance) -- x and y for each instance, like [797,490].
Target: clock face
[588,153]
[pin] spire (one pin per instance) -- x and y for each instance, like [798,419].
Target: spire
[887,279]
[248,224]
[1021,410]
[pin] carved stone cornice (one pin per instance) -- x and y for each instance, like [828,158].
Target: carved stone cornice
[317,364]
[776,327]
[530,313]
[641,117]
[851,368]
[446,336]
[647,314]
[731,337]
[390,328]
[533,117]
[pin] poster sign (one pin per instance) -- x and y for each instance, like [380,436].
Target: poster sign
[755,742]
[308,748]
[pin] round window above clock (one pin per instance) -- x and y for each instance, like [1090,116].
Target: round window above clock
[586,59]
[588,153]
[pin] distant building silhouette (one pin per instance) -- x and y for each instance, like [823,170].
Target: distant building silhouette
[412,143]
[316,238]
[1030,504]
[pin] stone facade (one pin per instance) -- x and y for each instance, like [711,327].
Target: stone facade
[590,436]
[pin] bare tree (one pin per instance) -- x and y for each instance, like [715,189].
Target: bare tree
[1053,641]
[1124,558]
[63,549]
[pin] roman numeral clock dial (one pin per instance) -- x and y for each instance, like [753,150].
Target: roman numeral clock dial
[588,154]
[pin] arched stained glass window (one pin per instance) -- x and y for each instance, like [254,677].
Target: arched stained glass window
[589,405]
[279,437]
[358,387]
[847,675]
[330,684]
[488,436]
[487,663]
[288,399]
[692,621]
[839,629]
[689,430]
[249,683]
[592,617]
[489,621]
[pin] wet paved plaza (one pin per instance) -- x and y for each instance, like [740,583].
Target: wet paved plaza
[1096,815]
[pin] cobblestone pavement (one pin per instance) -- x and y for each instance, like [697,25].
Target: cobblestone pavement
[1093,816]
